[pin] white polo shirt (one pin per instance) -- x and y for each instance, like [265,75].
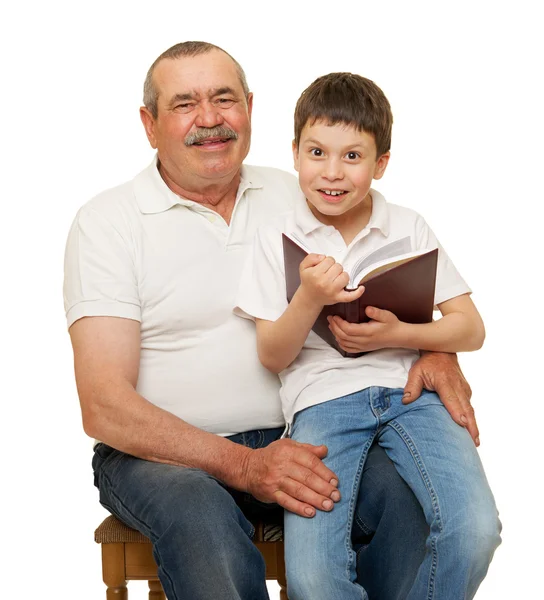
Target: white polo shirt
[141,252]
[320,373]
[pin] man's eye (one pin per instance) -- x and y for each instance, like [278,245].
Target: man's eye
[225,102]
[352,155]
[184,106]
[316,152]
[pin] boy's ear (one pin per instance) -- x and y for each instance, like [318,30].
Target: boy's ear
[381,165]
[295,155]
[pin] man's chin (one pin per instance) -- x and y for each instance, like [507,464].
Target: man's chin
[218,166]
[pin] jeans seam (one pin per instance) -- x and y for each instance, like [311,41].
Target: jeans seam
[363,526]
[352,501]
[434,500]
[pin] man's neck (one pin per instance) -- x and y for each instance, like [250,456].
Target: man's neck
[219,196]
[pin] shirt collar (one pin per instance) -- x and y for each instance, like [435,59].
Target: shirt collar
[154,196]
[379,218]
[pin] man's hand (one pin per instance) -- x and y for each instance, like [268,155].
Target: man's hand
[322,281]
[383,331]
[440,372]
[293,475]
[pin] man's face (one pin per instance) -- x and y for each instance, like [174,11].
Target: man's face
[203,126]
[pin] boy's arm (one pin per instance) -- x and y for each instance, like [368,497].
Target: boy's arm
[459,330]
[322,282]
[279,342]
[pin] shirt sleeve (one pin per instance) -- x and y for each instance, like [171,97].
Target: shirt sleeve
[449,283]
[261,293]
[99,272]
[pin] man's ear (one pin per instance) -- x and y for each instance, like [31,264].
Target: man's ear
[249,104]
[381,165]
[149,126]
[295,155]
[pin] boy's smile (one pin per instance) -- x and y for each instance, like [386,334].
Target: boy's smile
[336,165]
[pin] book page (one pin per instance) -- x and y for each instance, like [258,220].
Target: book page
[396,248]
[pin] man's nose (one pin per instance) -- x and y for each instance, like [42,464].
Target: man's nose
[208,115]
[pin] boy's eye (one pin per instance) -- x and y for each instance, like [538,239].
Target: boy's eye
[352,155]
[316,152]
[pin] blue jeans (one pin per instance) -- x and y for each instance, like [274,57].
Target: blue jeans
[201,530]
[440,463]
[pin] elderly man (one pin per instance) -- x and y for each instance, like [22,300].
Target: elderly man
[187,421]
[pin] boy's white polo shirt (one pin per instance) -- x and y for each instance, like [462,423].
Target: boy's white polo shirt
[141,252]
[320,373]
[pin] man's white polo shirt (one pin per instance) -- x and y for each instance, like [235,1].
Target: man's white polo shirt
[320,373]
[141,252]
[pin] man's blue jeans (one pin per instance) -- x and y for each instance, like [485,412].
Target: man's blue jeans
[438,460]
[202,537]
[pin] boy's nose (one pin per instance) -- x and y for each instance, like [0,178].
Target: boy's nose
[332,170]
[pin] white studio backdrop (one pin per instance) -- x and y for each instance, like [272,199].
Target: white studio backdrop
[464,80]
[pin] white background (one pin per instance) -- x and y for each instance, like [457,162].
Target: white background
[464,81]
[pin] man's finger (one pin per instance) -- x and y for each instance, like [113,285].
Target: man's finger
[462,413]
[305,486]
[312,461]
[468,419]
[413,387]
[472,428]
[294,506]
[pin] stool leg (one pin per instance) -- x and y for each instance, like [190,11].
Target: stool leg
[113,571]
[155,590]
[280,561]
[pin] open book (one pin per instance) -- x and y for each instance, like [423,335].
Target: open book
[395,279]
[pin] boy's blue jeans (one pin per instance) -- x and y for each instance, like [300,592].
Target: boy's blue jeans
[438,460]
[202,538]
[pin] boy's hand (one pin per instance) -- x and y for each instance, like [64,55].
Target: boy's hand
[322,281]
[382,331]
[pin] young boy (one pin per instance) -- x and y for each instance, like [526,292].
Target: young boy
[342,138]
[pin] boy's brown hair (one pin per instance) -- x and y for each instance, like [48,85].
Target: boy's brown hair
[350,99]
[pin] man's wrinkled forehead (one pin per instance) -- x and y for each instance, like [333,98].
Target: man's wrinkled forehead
[195,77]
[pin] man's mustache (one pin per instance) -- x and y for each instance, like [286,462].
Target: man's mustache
[204,133]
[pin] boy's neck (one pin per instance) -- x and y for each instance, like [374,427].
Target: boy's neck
[351,222]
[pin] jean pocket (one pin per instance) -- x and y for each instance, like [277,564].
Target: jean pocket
[102,452]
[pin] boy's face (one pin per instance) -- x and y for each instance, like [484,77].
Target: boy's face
[336,165]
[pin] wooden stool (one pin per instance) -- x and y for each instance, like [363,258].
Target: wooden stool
[127,555]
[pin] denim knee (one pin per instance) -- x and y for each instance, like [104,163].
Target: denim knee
[317,577]
[199,506]
[475,534]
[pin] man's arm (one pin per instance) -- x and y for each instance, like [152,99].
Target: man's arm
[106,360]
[440,372]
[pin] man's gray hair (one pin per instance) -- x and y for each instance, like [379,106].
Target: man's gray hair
[151,94]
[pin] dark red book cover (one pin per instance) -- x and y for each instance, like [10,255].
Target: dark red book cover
[407,290]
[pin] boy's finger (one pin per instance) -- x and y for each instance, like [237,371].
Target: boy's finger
[311,261]
[324,265]
[348,296]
